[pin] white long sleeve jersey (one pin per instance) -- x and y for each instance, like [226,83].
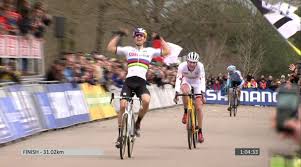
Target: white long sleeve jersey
[195,78]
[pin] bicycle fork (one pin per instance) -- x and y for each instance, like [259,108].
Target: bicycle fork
[130,120]
[192,116]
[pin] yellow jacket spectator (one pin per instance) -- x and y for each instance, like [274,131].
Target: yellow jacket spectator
[8,75]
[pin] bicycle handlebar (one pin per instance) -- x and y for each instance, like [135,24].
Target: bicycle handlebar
[122,97]
[190,94]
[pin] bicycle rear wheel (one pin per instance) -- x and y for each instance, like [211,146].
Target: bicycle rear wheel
[189,130]
[124,136]
[131,138]
[231,105]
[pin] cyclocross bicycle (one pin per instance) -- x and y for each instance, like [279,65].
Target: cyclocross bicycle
[234,101]
[127,134]
[192,122]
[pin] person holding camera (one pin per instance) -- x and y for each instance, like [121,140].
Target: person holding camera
[287,120]
[295,125]
[290,127]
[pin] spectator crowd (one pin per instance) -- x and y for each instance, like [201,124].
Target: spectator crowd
[251,82]
[20,18]
[96,68]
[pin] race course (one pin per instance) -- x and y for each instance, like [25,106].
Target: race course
[163,141]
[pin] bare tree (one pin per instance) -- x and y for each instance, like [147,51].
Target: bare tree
[196,25]
[214,51]
[251,51]
[101,11]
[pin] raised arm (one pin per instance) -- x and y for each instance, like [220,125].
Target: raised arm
[165,48]
[112,46]
[203,79]
[179,79]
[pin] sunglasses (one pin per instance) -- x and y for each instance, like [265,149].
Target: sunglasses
[139,35]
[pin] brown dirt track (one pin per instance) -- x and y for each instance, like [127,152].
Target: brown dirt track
[163,141]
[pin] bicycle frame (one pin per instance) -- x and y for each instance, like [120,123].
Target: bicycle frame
[192,122]
[128,127]
[235,96]
[233,101]
[130,114]
[191,109]
[191,104]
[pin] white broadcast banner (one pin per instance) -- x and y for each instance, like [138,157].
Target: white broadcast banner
[59,104]
[77,102]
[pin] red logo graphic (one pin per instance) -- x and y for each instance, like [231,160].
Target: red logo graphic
[133,54]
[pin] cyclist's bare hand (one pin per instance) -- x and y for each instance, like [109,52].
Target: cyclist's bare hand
[185,89]
[176,99]
[204,99]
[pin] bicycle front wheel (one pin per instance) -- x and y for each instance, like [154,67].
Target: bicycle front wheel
[235,110]
[131,138]
[189,129]
[230,110]
[195,131]
[235,105]
[124,136]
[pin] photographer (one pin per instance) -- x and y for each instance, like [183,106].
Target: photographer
[295,125]
[287,120]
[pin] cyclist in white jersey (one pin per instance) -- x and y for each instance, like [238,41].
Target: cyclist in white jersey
[192,74]
[138,59]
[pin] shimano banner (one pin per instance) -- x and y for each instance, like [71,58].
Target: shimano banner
[247,97]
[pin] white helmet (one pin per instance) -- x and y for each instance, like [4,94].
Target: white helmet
[139,31]
[231,68]
[193,57]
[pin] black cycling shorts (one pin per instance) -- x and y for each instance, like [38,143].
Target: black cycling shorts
[235,83]
[134,84]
